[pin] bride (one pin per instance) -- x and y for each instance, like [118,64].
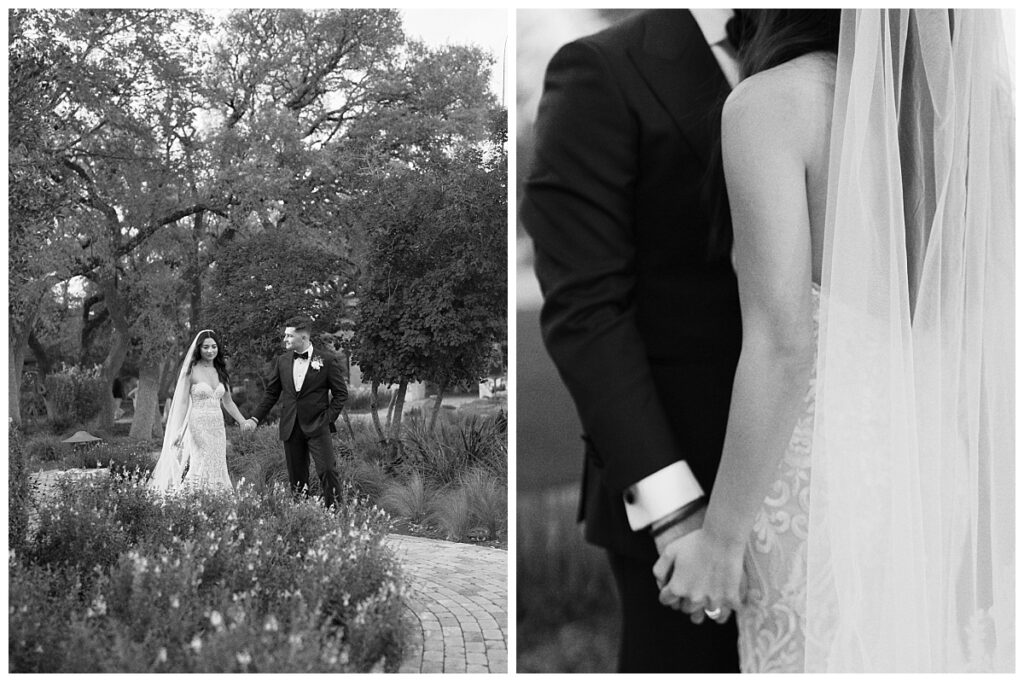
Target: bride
[194,435]
[862,515]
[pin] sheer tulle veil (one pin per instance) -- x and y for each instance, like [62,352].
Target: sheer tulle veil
[171,466]
[911,534]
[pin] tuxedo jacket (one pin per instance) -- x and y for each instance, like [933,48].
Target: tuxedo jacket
[643,327]
[316,406]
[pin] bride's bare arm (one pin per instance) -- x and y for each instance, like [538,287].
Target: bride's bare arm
[229,404]
[765,136]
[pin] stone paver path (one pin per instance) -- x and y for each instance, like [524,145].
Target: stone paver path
[458,600]
[460,603]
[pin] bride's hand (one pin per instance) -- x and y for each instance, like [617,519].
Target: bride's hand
[699,571]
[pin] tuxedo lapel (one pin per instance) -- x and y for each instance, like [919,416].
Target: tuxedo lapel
[287,375]
[677,64]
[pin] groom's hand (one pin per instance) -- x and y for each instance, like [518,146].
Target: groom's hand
[249,424]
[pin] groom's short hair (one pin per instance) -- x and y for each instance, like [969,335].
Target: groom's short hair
[300,323]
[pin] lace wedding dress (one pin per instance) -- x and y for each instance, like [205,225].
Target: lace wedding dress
[207,466]
[887,541]
[772,621]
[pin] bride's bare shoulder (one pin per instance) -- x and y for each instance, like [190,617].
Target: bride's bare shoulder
[791,101]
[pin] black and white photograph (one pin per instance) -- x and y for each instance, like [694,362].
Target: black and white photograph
[765,340]
[257,340]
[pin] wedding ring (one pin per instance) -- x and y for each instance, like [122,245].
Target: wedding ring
[713,613]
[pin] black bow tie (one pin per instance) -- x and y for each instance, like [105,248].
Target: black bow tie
[300,356]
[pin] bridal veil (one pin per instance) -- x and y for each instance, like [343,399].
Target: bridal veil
[911,537]
[170,467]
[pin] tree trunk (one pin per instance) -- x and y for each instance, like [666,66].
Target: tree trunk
[437,404]
[42,359]
[15,364]
[146,420]
[399,406]
[168,376]
[391,412]
[348,423]
[118,351]
[195,273]
[90,323]
[373,412]
[18,332]
[395,425]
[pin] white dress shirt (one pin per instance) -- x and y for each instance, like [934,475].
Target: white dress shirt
[675,486]
[300,367]
[712,25]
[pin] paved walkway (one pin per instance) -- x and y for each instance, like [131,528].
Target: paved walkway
[460,603]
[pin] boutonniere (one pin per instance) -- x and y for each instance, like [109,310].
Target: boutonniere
[316,363]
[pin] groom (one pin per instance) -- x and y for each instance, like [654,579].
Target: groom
[642,324]
[311,386]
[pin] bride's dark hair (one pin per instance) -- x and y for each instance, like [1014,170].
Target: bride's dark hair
[218,362]
[766,39]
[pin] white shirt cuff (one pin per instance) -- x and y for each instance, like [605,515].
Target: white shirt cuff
[660,494]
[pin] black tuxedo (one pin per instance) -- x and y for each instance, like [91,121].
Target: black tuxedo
[643,327]
[307,418]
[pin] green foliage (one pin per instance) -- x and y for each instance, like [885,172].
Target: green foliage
[367,478]
[73,396]
[45,448]
[480,501]
[122,457]
[433,295]
[258,458]
[456,445]
[452,514]
[487,500]
[413,499]
[359,399]
[18,489]
[261,281]
[120,580]
[566,589]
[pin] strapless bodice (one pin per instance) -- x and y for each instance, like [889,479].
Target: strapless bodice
[203,391]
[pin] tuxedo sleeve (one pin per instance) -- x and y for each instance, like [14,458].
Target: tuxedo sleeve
[271,394]
[578,207]
[338,387]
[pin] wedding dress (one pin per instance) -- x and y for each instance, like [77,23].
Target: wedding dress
[207,467]
[887,541]
[201,458]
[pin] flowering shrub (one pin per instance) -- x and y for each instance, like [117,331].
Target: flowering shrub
[120,579]
[74,395]
[45,448]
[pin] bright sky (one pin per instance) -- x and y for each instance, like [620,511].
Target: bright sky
[487,28]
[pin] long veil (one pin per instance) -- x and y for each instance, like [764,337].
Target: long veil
[170,466]
[911,534]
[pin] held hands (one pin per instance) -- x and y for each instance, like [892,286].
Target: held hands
[248,425]
[699,571]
